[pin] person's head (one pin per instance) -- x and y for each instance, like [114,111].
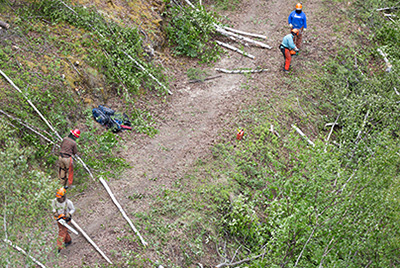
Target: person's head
[295,32]
[299,7]
[61,195]
[75,133]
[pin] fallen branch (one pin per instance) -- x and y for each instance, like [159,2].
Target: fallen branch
[330,133]
[303,135]
[27,126]
[121,210]
[205,79]
[240,71]
[90,241]
[24,252]
[274,131]
[395,90]
[298,102]
[388,65]
[245,33]
[144,70]
[235,49]
[301,253]
[4,24]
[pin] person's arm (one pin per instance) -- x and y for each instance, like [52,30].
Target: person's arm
[53,207]
[290,18]
[71,208]
[291,44]
[75,149]
[305,21]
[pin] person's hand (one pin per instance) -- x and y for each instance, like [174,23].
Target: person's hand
[304,29]
[55,214]
[68,217]
[296,49]
[290,25]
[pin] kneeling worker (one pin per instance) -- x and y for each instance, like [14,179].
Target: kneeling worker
[288,48]
[62,209]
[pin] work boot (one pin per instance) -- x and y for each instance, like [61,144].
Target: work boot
[68,243]
[58,250]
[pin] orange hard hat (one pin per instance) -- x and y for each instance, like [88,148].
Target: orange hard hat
[295,31]
[61,192]
[76,132]
[299,6]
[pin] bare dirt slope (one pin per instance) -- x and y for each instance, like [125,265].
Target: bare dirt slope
[189,124]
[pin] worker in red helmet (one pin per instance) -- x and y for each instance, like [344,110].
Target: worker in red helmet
[68,149]
[63,208]
[298,20]
[288,48]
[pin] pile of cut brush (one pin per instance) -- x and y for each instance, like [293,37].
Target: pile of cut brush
[115,121]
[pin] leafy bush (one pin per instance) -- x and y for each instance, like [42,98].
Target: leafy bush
[191,31]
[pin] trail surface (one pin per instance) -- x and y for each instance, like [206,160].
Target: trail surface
[190,122]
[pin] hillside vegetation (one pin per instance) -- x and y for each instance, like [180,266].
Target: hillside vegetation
[272,199]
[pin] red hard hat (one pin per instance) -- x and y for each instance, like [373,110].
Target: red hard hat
[76,132]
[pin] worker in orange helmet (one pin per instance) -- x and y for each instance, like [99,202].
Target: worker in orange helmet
[63,208]
[298,20]
[288,48]
[68,149]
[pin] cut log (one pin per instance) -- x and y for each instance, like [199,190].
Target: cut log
[239,41]
[245,33]
[121,210]
[24,252]
[303,135]
[90,241]
[250,41]
[240,71]
[235,49]
[388,65]
[4,24]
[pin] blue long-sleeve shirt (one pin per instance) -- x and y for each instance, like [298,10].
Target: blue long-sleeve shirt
[288,42]
[297,20]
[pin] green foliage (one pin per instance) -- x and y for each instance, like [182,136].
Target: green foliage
[115,44]
[191,31]
[227,4]
[25,193]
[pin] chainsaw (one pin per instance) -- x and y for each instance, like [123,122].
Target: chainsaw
[62,221]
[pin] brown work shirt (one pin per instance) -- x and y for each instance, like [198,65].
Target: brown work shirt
[68,147]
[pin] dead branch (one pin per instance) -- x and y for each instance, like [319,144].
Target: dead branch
[330,133]
[245,33]
[239,41]
[301,253]
[274,131]
[235,49]
[298,102]
[240,71]
[144,70]
[27,126]
[121,210]
[395,90]
[388,65]
[303,135]
[90,241]
[239,262]
[205,79]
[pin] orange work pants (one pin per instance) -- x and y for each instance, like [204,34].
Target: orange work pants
[63,236]
[288,58]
